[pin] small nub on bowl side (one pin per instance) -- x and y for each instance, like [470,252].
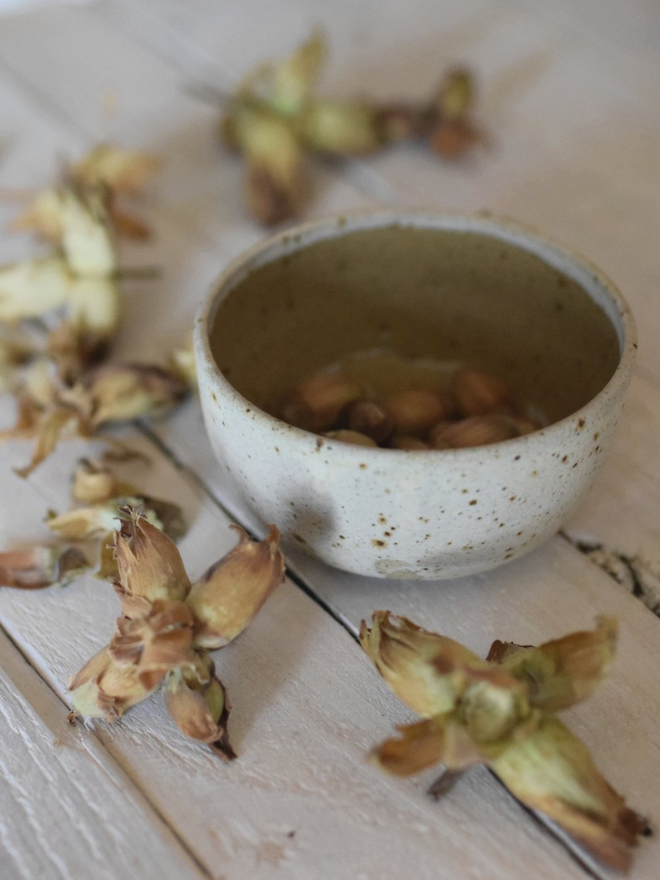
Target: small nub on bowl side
[423,286]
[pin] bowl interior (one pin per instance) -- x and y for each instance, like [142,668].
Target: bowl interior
[421,293]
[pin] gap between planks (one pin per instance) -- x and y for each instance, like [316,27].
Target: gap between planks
[128,805]
[215,500]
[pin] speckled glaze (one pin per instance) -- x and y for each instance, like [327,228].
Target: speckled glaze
[418,514]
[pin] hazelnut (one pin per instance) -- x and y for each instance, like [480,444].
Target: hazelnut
[367,417]
[407,441]
[353,437]
[416,410]
[473,431]
[479,393]
[315,403]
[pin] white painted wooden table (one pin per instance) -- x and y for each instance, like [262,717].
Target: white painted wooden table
[570,95]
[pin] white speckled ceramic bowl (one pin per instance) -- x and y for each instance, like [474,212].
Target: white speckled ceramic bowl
[459,288]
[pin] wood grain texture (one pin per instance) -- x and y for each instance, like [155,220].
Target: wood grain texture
[307,707]
[68,812]
[307,703]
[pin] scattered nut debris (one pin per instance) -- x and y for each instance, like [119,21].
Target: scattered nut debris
[93,525]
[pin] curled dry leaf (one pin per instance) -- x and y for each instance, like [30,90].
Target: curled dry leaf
[182,362]
[500,712]
[166,625]
[41,566]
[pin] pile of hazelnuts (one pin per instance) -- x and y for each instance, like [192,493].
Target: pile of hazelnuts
[477,409]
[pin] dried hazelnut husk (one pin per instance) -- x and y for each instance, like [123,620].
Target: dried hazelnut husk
[226,598]
[408,442]
[200,709]
[347,128]
[354,437]
[401,122]
[315,404]
[41,566]
[457,93]
[416,410]
[479,393]
[105,689]
[473,431]
[93,482]
[33,287]
[121,170]
[452,138]
[501,713]
[367,417]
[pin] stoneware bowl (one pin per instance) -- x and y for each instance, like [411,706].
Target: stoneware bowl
[463,289]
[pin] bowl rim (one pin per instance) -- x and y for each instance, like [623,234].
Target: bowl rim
[523,235]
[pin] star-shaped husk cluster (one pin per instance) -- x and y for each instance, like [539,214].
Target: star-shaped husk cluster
[501,712]
[169,625]
[275,118]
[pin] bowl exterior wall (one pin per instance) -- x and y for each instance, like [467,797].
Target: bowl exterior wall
[397,514]
[411,515]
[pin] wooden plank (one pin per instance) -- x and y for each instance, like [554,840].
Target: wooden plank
[307,706]
[521,609]
[68,810]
